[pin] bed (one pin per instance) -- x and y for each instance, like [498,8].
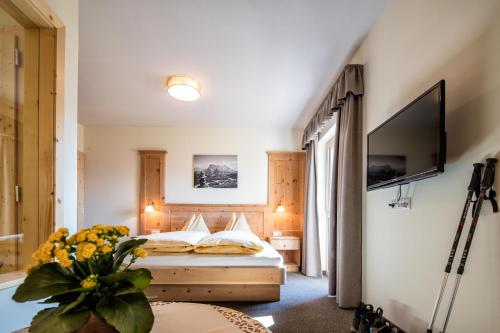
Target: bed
[204,277]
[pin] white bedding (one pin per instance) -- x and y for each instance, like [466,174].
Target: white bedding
[269,257]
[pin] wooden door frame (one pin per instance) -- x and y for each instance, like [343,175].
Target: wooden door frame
[43,101]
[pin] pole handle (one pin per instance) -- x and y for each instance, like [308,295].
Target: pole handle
[489,173]
[476,176]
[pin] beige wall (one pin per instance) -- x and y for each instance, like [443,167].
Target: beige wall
[414,45]
[112,166]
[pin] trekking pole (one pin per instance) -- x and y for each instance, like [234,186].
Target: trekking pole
[471,189]
[488,179]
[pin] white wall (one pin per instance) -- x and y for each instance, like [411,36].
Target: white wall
[66,146]
[112,166]
[415,44]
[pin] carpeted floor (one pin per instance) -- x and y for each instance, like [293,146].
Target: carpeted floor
[304,308]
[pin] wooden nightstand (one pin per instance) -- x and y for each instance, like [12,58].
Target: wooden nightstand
[289,248]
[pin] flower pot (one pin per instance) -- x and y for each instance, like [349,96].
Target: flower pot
[96,324]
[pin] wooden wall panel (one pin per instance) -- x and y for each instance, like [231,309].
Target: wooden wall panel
[286,185]
[217,216]
[152,187]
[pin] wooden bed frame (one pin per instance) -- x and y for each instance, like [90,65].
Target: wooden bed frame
[176,283]
[217,283]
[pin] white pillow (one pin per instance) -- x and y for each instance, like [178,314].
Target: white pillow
[241,224]
[189,223]
[199,225]
[230,223]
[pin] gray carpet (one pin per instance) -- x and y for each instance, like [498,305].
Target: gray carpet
[304,308]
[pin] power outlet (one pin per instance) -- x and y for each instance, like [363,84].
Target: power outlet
[403,203]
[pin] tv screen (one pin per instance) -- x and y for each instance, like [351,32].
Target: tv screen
[411,145]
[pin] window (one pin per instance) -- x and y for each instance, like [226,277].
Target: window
[31,44]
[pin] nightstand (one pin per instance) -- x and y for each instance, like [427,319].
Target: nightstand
[289,248]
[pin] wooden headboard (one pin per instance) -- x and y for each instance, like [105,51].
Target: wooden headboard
[172,217]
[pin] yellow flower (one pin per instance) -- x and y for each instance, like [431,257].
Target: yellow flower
[140,252]
[122,230]
[100,242]
[90,282]
[106,249]
[85,251]
[88,250]
[44,253]
[92,236]
[63,256]
[81,236]
[58,235]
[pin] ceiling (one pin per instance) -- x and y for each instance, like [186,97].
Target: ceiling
[261,63]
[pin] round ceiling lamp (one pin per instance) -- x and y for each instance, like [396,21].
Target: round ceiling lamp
[183,88]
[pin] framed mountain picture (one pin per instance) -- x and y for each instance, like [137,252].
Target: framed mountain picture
[215,171]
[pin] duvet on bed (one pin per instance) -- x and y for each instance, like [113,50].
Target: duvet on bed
[229,242]
[172,242]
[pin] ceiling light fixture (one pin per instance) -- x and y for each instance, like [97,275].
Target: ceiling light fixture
[183,88]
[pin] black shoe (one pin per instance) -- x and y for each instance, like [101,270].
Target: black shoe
[362,309]
[368,319]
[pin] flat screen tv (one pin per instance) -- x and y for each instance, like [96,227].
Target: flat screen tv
[411,145]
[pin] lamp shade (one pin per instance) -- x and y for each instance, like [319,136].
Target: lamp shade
[149,208]
[280,209]
[183,88]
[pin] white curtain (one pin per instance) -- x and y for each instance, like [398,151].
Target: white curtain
[311,259]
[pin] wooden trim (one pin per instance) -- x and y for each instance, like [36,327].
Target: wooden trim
[32,13]
[283,152]
[46,123]
[11,279]
[154,152]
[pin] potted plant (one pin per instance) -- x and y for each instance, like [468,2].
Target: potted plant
[88,276]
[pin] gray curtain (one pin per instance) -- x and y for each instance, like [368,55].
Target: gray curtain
[345,234]
[311,260]
[345,261]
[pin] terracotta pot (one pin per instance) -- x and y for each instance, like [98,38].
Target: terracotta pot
[96,324]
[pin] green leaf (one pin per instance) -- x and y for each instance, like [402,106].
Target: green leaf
[65,298]
[127,290]
[127,313]
[75,303]
[47,280]
[139,278]
[124,250]
[129,245]
[52,320]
